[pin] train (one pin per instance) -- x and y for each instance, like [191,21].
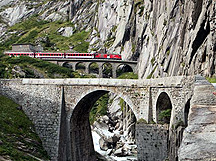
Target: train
[60,55]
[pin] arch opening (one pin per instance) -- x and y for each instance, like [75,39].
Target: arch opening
[93,68]
[80,66]
[163,107]
[123,68]
[84,129]
[107,70]
[67,65]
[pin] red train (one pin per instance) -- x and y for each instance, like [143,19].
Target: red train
[65,55]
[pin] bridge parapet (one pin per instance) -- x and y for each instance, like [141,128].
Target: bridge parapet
[177,81]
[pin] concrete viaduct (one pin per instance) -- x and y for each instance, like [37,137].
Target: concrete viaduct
[59,109]
[100,62]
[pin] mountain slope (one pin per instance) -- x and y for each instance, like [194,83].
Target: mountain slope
[167,37]
[18,140]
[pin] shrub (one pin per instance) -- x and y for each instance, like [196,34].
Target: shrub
[164,116]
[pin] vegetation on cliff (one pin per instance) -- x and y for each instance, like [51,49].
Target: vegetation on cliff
[18,140]
[48,34]
[27,67]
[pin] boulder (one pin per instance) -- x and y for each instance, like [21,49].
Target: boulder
[103,144]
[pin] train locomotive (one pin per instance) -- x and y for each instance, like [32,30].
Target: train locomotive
[52,55]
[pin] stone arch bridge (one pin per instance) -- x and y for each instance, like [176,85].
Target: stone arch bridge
[59,109]
[100,62]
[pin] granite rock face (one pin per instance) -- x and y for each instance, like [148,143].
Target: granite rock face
[167,37]
[199,137]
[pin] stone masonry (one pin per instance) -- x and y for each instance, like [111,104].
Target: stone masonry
[59,108]
[151,141]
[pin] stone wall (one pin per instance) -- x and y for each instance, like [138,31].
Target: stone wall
[151,142]
[42,104]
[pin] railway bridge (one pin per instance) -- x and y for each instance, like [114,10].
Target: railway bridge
[73,63]
[59,109]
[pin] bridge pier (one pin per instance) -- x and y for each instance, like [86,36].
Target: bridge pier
[100,65]
[87,68]
[114,68]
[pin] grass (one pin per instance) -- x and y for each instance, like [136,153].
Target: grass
[16,131]
[46,33]
[128,75]
[211,79]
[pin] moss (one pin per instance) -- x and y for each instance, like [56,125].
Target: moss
[143,121]
[122,104]
[151,74]
[152,122]
[114,28]
[109,42]
[152,61]
[168,52]
[133,48]
[183,64]
[128,75]
[141,10]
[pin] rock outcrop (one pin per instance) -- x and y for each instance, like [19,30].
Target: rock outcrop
[199,137]
[167,37]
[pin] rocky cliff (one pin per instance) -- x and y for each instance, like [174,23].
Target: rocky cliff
[168,38]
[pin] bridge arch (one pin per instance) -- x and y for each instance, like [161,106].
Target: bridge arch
[80,65]
[93,68]
[164,108]
[67,65]
[107,70]
[125,68]
[81,142]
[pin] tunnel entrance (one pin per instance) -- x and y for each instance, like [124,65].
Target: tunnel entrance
[107,120]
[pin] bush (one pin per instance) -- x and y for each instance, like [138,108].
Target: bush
[164,116]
